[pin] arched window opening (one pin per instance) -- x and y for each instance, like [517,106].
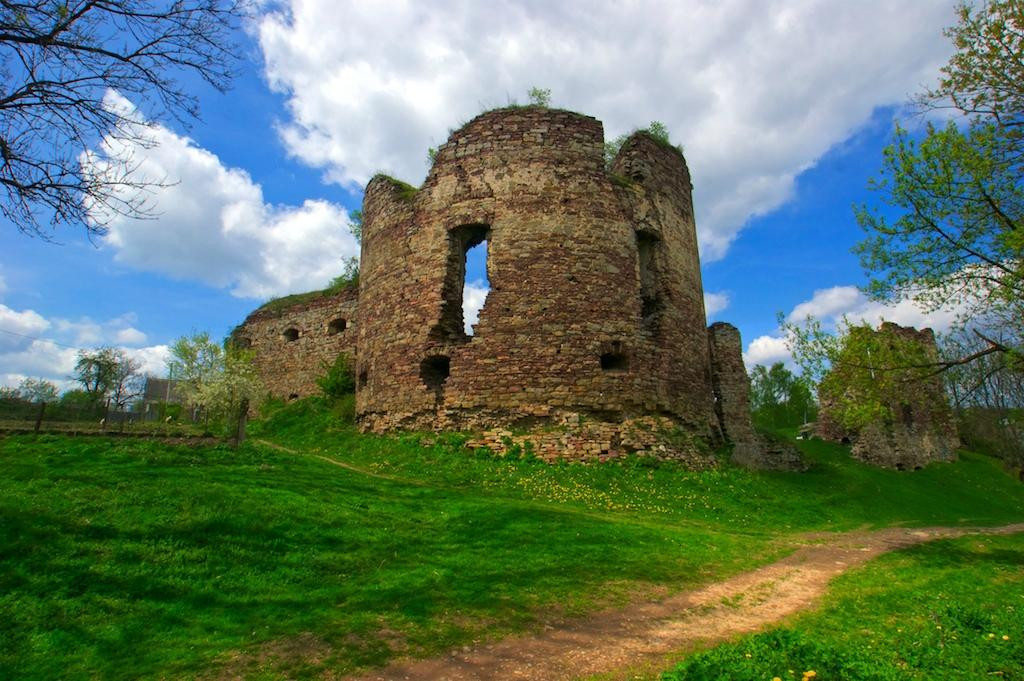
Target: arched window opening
[337,326]
[648,247]
[290,334]
[452,326]
[476,286]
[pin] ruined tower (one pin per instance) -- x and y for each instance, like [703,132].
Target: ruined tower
[918,427]
[596,305]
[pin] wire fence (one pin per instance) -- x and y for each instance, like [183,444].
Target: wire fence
[165,420]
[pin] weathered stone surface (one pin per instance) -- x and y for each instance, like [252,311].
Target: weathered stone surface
[289,363]
[922,430]
[592,339]
[595,306]
[731,387]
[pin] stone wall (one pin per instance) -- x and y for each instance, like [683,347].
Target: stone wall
[596,304]
[293,344]
[592,343]
[731,386]
[921,427]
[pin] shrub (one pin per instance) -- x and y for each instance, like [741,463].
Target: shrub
[339,378]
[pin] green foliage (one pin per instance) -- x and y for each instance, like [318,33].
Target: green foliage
[348,279]
[960,202]
[779,399]
[404,190]
[431,156]
[355,219]
[37,390]
[958,195]
[76,399]
[944,610]
[657,131]
[109,375]
[194,361]
[229,391]
[539,97]
[862,373]
[338,379]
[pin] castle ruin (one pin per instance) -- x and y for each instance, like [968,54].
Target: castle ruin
[593,334]
[920,427]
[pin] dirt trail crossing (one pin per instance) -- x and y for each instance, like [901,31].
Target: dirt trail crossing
[644,634]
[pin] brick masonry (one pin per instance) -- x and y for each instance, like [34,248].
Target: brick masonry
[292,345]
[594,329]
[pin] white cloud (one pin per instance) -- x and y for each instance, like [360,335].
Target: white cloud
[473,297]
[3,285]
[715,303]
[17,325]
[28,355]
[213,225]
[756,90]
[38,359]
[767,350]
[130,336]
[832,305]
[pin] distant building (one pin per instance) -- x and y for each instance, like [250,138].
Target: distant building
[159,392]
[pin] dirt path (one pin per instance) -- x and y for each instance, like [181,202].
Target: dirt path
[644,635]
[340,464]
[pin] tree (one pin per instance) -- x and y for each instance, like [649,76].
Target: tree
[60,62]
[37,390]
[95,370]
[228,392]
[338,379]
[958,194]
[779,399]
[194,360]
[220,381]
[126,382]
[862,373]
[108,375]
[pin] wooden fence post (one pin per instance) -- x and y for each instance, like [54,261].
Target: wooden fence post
[243,416]
[39,416]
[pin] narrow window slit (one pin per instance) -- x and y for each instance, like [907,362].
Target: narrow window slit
[463,296]
[648,248]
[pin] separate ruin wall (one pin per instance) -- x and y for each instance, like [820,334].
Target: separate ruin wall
[921,428]
[731,386]
[596,303]
[293,345]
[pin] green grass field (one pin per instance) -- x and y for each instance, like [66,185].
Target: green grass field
[134,559]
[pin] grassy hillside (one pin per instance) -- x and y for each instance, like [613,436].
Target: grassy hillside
[137,559]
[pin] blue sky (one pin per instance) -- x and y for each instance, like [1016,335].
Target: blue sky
[783,109]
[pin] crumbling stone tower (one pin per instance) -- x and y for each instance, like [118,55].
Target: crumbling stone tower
[921,429]
[596,304]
